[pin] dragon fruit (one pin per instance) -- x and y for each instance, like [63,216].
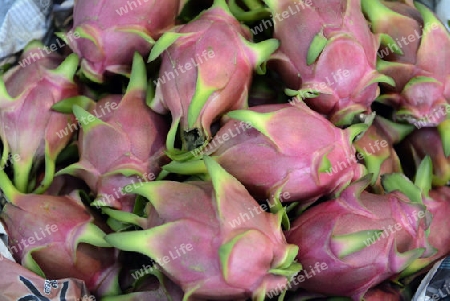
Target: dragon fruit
[122,144]
[283,152]
[19,283]
[363,238]
[210,246]
[417,60]
[57,237]
[328,55]
[205,72]
[110,32]
[426,142]
[26,96]
[376,149]
[438,204]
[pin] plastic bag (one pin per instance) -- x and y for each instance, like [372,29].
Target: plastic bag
[436,284]
[22,21]
[19,284]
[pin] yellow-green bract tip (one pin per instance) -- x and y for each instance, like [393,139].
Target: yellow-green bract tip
[138,79]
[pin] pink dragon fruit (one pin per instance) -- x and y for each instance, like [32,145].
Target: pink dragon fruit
[417,60]
[329,55]
[110,31]
[26,96]
[282,150]
[57,237]
[362,238]
[122,144]
[206,71]
[427,142]
[210,246]
[376,149]
[19,283]
[438,203]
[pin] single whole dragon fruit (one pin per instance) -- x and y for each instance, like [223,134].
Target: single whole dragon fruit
[417,60]
[122,144]
[206,71]
[362,238]
[328,53]
[202,237]
[27,95]
[57,237]
[107,33]
[376,149]
[282,151]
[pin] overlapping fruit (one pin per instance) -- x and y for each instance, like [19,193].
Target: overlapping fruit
[288,149]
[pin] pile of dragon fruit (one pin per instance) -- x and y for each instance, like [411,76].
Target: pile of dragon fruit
[228,150]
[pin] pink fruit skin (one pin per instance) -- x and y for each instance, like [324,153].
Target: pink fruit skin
[116,35]
[215,39]
[391,164]
[376,148]
[54,224]
[291,157]
[37,89]
[427,142]
[225,260]
[439,206]
[206,250]
[132,138]
[438,203]
[354,274]
[425,46]
[346,69]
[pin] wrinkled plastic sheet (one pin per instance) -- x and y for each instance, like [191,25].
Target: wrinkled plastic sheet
[19,284]
[4,252]
[436,284]
[22,21]
[443,12]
